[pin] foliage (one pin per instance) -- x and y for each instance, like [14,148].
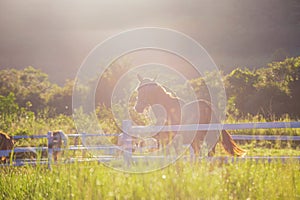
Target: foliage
[271,91]
[8,111]
[108,81]
[33,91]
[30,86]
[276,89]
[60,101]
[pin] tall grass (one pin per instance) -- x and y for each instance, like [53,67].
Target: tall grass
[182,180]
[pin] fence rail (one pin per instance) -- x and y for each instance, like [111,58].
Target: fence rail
[128,130]
[213,127]
[266,137]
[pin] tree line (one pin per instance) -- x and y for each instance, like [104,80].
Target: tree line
[271,91]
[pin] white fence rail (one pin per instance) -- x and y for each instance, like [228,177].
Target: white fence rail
[211,127]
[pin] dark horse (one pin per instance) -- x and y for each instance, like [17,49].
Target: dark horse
[150,93]
[6,143]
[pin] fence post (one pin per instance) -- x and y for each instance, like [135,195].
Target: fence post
[192,154]
[126,126]
[50,149]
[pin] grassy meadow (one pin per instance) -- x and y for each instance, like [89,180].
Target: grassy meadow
[181,180]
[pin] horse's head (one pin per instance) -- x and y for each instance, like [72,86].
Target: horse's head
[145,93]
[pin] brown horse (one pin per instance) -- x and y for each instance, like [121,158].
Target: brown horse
[151,94]
[6,143]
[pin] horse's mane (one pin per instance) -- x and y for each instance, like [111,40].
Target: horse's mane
[168,91]
[163,90]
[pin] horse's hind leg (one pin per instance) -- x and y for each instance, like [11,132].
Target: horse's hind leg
[55,155]
[197,143]
[212,151]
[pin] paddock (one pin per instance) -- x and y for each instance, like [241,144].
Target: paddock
[110,152]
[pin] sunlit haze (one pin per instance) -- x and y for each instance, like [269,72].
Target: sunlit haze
[57,35]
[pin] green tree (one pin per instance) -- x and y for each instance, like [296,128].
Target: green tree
[9,111]
[271,91]
[28,85]
[108,81]
[60,100]
[240,90]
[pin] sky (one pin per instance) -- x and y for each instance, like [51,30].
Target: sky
[56,36]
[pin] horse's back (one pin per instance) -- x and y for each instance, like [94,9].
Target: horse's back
[197,112]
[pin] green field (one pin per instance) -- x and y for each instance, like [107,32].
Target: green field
[182,180]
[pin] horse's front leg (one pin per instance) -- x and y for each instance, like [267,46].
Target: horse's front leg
[196,147]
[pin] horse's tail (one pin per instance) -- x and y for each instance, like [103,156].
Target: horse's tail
[230,146]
